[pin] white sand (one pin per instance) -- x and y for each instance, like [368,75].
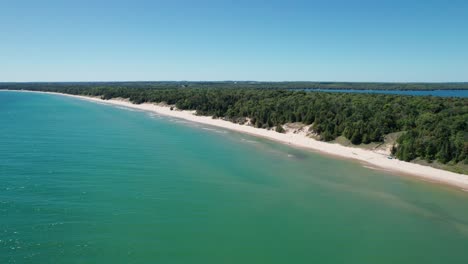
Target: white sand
[369,157]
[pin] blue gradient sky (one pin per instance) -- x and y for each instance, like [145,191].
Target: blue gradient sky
[234,40]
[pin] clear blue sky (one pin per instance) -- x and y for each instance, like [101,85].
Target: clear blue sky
[399,40]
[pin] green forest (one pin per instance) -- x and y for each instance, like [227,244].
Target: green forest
[434,128]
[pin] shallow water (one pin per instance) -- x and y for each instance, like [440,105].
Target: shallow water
[82,182]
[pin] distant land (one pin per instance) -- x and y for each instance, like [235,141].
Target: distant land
[247,84]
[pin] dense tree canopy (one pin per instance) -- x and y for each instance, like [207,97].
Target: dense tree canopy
[434,128]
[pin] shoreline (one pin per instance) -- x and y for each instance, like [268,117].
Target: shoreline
[366,157]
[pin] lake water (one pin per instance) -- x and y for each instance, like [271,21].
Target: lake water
[439,93]
[82,182]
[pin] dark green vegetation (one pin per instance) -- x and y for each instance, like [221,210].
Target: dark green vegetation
[434,128]
[247,84]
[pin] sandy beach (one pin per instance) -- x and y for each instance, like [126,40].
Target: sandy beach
[369,158]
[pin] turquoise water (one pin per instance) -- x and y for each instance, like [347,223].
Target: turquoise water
[439,93]
[82,182]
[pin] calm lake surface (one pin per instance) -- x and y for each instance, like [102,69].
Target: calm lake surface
[82,182]
[440,93]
